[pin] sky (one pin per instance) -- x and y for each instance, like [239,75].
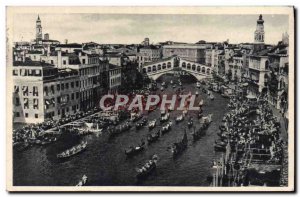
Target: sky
[133,28]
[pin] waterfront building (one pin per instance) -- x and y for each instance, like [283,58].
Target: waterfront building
[114,74]
[42,91]
[191,52]
[149,53]
[235,64]
[88,67]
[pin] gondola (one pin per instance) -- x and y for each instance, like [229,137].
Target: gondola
[141,123]
[166,128]
[179,118]
[165,117]
[152,124]
[82,181]
[198,134]
[178,147]
[72,151]
[219,148]
[190,122]
[135,150]
[148,168]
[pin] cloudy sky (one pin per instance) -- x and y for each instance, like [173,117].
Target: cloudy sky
[129,28]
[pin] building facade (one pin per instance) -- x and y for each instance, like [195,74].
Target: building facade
[190,52]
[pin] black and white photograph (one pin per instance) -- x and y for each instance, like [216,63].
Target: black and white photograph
[150,98]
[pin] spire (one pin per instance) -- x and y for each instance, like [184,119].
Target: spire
[38,19]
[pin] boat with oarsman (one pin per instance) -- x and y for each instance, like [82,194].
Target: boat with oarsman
[179,118]
[178,147]
[140,124]
[152,124]
[73,151]
[147,168]
[133,150]
[165,117]
[190,122]
[82,181]
[166,128]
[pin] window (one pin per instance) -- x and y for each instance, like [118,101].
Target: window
[62,86]
[17,101]
[72,96]
[77,83]
[77,95]
[26,115]
[45,91]
[58,87]
[58,99]
[36,115]
[35,91]
[83,61]
[72,84]
[15,72]
[16,89]
[35,103]
[25,90]
[17,114]
[52,62]
[67,86]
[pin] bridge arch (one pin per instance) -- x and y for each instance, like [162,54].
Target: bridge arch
[156,69]
[194,67]
[188,66]
[169,65]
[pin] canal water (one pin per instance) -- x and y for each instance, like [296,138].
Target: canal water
[105,163]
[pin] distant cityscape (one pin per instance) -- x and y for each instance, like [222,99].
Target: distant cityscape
[236,134]
[53,79]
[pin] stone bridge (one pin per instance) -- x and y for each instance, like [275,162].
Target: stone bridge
[176,64]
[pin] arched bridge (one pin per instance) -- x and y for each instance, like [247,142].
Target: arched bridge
[169,65]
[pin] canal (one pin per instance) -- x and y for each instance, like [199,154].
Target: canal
[105,163]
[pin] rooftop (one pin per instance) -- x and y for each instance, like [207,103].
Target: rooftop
[71,45]
[32,63]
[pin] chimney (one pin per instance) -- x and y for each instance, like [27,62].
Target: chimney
[59,60]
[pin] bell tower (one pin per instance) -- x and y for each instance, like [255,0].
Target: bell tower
[39,34]
[259,34]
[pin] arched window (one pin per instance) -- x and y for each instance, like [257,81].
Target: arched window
[189,66]
[159,67]
[154,68]
[164,66]
[149,69]
[267,65]
[198,68]
[183,65]
[144,70]
[169,65]
[208,71]
[193,67]
[203,69]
